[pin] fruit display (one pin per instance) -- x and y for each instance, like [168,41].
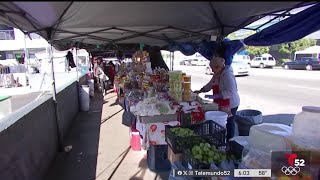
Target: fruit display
[152,107]
[175,81]
[182,132]
[207,154]
[190,142]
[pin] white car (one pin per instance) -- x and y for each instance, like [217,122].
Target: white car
[263,61]
[244,58]
[239,67]
[199,62]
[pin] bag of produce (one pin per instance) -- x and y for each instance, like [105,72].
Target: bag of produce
[256,158]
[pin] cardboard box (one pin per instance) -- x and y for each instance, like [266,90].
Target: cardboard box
[173,157]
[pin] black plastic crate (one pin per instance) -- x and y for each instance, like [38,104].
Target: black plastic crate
[234,148]
[188,158]
[209,129]
[157,156]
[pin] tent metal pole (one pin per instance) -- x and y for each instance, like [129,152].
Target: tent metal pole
[55,102]
[77,64]
[26,54]
[172,60]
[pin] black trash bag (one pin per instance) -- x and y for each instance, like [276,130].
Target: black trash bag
[244,124]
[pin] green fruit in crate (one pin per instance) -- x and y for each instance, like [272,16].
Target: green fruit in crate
[211,154]
[197,148]
[205,149]
[198,157]
[216,157]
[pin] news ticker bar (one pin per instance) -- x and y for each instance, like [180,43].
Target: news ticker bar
[223,173]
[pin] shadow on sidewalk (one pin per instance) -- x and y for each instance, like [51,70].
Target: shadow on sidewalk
[81,162]
[143,165]
[286,119]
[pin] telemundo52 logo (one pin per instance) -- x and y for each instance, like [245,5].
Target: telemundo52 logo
[294,164]
[286,163]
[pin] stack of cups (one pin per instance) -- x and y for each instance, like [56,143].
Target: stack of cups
[186,85]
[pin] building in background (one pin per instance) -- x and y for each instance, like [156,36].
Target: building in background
[13,43]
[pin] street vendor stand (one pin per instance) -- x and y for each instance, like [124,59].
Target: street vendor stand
[167,120]
[154,100]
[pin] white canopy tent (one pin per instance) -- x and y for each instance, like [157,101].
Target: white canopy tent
[89,24]
[101,25]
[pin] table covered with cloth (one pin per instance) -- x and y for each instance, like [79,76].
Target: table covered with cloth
[153,133]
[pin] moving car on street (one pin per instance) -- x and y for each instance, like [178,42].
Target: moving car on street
[240,68]
[308,63]
[199,62]
[264,61]
[244,58]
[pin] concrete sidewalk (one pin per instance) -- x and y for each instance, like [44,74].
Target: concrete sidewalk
[101,147]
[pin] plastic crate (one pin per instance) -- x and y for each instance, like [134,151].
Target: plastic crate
[157,156]
[213,132]
[188,158]
[234,148]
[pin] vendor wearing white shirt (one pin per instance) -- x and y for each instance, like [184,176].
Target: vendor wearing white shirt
[225,92]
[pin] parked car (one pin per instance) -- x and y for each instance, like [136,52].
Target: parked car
[264,61]
[308,63]
[199,62]
[182,62]
[239,68]
[244,58]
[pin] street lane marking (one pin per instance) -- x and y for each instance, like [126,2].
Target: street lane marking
[302,87]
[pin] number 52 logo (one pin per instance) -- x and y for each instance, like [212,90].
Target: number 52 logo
[294,161]
[299,162]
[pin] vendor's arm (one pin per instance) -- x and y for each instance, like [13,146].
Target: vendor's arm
[229,86]
[208,86]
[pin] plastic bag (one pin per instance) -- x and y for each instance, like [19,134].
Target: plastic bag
[255,158]
[270,137]
[308,144]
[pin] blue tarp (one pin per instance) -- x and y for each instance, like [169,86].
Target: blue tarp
[288,30]
[208,48]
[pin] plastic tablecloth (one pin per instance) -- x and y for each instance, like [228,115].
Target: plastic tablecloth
[153,133]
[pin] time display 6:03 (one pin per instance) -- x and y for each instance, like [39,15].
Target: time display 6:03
[252,172]
[243,173]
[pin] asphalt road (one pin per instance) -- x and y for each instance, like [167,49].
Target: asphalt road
[279,94]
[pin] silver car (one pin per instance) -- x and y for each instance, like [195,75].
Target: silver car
[240,68]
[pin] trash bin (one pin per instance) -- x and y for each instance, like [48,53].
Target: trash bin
[84,98]
[246,119]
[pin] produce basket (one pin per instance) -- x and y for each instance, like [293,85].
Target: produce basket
[196,164]
[210,131]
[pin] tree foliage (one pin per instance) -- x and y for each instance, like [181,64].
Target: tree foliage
[292,47]
[256,51]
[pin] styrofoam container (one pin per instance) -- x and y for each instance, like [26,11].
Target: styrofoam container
[217,116]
